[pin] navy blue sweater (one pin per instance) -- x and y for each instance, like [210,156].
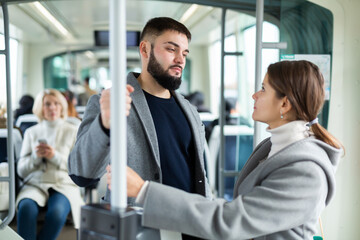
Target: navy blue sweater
[175,140]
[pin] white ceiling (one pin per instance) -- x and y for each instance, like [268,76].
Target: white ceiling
[82,17]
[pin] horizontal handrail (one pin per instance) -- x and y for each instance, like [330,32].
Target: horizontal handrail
[274,45]
[231,173]
[5,179]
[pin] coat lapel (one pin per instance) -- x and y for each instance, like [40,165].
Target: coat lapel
[198,137]
[139,104]
[186,108]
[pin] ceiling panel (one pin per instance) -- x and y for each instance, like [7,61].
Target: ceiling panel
[82,17]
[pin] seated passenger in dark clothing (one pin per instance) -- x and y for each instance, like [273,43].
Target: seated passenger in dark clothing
[230,105]
[197,99]
[26,104]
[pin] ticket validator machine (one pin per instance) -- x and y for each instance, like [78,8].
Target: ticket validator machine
[116,221]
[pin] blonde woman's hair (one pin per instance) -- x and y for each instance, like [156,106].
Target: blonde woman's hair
[39,101]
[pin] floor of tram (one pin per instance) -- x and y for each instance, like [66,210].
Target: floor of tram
[67,233]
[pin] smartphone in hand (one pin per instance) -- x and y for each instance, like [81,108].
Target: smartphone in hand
[42,141]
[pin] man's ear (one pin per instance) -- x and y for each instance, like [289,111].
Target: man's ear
[144,49]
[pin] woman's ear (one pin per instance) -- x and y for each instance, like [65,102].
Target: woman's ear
[286,105]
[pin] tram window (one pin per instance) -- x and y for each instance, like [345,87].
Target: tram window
[271,33]
[104,76]
[56,71]
[239,72]
[304,26]
[2,80]
[2,42]
[14,45]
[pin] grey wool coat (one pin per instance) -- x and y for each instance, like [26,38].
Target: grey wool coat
[91,153]
[276,198]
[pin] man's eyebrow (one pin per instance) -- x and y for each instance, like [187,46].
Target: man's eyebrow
[176,45]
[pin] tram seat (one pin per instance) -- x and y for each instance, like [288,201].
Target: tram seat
[238,147]
[207,118]
[4,186]
[17,139]
[95,192]
[25,121]
[80,110]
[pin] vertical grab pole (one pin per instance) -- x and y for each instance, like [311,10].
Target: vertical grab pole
[118,119]
[222,109]
[258,60]
[10,144]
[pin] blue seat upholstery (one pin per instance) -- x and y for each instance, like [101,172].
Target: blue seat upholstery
[17,140]
[3,150]
[25,121]
[25,125]
[238,148]
[237,151]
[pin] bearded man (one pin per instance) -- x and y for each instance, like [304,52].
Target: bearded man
[165,136]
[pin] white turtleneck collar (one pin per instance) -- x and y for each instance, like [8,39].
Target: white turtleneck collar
[52,124]
[287,134]
[49,129]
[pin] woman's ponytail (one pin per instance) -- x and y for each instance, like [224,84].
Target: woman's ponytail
[323,135]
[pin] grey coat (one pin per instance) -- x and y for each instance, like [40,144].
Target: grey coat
[91,154]
[276,198]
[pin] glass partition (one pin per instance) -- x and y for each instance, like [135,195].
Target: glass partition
[14,47]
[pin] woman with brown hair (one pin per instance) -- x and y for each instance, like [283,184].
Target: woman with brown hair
[284,186]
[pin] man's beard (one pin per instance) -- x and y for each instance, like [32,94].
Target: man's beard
[162,76]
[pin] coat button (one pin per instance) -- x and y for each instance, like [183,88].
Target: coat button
[157,176]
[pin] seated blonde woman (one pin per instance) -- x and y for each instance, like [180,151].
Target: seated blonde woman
[43,167]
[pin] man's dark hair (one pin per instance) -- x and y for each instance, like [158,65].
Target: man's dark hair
[156,26]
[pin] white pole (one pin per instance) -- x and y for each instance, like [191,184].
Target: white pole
[258,52]
[118,119]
